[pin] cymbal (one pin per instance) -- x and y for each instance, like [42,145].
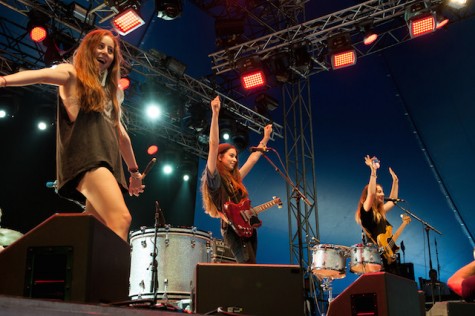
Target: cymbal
[8,236]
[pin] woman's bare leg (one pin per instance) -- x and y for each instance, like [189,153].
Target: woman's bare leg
[105,200]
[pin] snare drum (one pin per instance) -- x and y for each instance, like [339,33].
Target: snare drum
[178,252]
[365,258]
[329,261]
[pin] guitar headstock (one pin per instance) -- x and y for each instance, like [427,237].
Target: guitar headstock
[277,201]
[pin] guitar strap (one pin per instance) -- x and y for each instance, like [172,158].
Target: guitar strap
[369,235]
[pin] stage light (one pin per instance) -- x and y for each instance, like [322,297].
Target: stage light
[152,150]
[279,65]
[124,83]
[127,21]
[228,31]
[175,66]
[441,21]
[168,9]
[252,74]
[37,26]
[301,61]
[420,20]
[153,111]
[342,53]
[265,104]
[457,4]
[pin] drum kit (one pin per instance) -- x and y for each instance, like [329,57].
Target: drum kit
[329,261]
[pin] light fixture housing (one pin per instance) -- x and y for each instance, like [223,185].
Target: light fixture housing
[168,9]
[37,26]
[127,21]
[252,73]
[342,53]
[420,19]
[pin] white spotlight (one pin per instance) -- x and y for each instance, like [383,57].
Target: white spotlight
[153,112]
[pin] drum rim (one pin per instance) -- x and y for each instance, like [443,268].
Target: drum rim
[176,230]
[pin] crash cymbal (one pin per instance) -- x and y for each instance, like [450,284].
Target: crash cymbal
[8,236]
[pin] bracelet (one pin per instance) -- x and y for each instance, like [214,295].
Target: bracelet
[373,175]
[133,170]
[136,175]
[4,80]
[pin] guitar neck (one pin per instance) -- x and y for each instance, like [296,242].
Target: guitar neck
[260,208]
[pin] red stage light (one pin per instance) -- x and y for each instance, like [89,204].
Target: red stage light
[422,24]
[343,59]
[370,38]
[152,150]
[127,21]
[253,79]
[124,83]
[38,34]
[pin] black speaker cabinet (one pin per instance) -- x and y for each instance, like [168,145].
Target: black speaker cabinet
[69,257]
[249,289]
[378,294]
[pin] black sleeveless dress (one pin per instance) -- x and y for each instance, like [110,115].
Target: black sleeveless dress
[90,142]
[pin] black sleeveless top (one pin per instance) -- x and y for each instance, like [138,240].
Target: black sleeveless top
[90,142]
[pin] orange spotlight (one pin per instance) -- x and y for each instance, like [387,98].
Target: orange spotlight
[152,150]
[124,83]
[127,21]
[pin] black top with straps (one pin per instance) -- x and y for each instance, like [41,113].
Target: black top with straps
[90,142]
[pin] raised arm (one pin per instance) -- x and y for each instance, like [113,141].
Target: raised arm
[368,203]
[254,157]
[213,135]
[394,191]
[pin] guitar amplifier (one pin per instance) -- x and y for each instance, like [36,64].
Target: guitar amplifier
[220,252]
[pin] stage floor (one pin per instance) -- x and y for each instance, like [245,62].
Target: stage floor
[26,306]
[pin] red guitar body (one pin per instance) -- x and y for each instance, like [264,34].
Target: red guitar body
[243,218]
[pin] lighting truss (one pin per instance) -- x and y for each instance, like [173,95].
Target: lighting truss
[316,33]
[145,64]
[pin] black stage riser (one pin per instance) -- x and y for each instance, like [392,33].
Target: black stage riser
[381,294]
[264,290]
[452,309]
[69,257]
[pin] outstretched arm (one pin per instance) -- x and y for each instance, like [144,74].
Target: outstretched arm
[59,75]
[135,182]
[254,157]
[455,281]
[213,135]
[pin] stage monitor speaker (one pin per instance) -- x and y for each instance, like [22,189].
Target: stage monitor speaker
[378,294]
[452,309]
[69,257]
[249,289]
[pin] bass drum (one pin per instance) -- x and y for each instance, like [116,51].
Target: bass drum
[178,252]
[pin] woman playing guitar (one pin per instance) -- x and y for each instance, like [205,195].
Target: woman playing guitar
[222,184]
[371,215]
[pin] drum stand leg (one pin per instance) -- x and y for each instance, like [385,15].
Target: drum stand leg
[327,287]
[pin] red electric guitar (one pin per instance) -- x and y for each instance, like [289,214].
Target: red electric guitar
[243,218]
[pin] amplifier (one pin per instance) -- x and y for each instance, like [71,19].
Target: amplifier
[220,252]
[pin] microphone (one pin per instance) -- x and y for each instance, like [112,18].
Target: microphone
[259,149]
[393,200]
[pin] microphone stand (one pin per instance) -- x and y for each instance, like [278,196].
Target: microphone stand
[427,228]
[154,280]
[298,195]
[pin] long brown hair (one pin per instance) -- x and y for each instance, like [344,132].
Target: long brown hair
[92,95]
[377,208]
[233,177]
